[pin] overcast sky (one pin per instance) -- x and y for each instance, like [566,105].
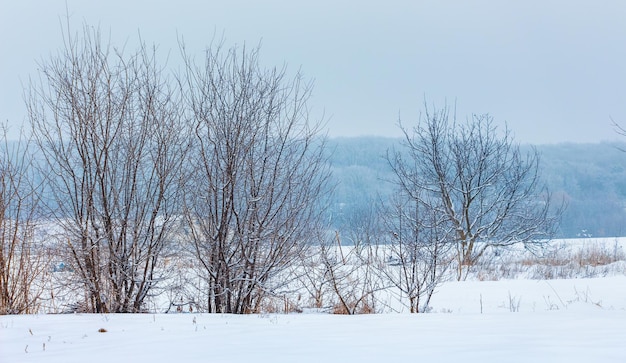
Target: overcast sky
[554,71]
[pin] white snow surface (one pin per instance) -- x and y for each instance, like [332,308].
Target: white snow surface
[576,320]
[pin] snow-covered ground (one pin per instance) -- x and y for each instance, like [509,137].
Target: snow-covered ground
[574,320]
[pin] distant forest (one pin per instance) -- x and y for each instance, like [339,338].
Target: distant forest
[590,179]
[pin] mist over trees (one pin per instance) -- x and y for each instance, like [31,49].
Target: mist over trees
[591,178]
[588,178]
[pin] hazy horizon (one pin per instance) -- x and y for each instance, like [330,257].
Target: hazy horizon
[551,70]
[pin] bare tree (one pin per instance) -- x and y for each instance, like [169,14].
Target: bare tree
[312,276]
[355,277]
[476,180]
[351,275]
[416,255]
[23,264]
[340,272]
[258,173]
[110,130]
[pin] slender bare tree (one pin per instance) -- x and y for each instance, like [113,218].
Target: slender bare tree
[352,274]
[259,171]
[341,274]
[23,263]
[417,253]
[110,130]
[478,181]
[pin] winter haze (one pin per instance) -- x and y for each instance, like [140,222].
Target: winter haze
[553,70]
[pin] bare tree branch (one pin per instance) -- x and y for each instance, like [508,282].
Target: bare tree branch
[23,264]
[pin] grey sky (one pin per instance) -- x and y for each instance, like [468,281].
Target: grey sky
[553,70]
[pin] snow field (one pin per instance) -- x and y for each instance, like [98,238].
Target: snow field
[501,316]
[588,324]
[540,337]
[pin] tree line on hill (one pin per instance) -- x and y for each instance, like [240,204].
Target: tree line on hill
[590,179]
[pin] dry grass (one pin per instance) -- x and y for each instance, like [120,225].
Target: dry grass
[362,308]
[592,259]
[284,304]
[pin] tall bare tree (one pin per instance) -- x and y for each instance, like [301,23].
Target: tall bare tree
[23,263]
[258,172]
[110,130]
[478,181]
